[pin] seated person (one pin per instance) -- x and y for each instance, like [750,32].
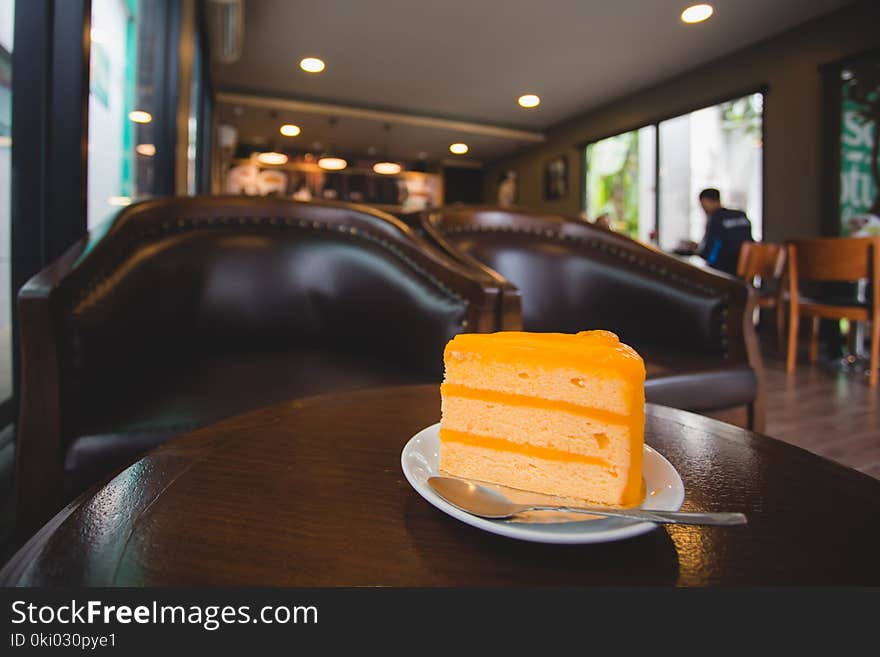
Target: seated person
[726,230]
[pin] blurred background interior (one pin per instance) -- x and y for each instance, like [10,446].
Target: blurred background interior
[542,158]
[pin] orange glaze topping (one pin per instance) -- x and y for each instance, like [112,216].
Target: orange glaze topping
[591,351]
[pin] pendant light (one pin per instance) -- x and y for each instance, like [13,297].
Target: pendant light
[387,167]
[328,160]
[273,156]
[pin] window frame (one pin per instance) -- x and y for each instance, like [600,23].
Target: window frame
[50,105]
[50,70]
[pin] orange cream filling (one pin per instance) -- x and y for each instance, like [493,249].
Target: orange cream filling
[511,399]
[504,445]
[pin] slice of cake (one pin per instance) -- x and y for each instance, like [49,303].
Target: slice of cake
[552,413]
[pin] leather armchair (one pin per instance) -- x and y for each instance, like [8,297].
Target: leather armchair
[693,326]
[189,310]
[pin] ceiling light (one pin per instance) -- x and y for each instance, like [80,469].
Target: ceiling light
[289,130]
[312,65]
[387,168]
[140,116]
[458,149]
[332,163]
[328,160]
[272,157]
[148,150]
[696,13]
[120,201]
[529,100]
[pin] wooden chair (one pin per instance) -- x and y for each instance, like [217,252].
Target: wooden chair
[833,259]
[765,261]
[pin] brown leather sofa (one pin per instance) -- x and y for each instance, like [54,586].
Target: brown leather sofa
[189,310]
[693,326]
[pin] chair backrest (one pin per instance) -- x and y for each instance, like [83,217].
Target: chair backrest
[574,276]
[178,279]
[835,258]
[763,259]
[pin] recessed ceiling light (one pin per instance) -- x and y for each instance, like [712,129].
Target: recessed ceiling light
[147,150]
[312,65]
[458,148]
[119,201]
[289,130]
[387,168]
[272,157]
[140,116]
[528,100]
[697,13]
[332,163]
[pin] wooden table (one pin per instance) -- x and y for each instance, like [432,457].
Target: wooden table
[310,492]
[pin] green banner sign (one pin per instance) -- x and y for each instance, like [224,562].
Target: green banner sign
[860,151]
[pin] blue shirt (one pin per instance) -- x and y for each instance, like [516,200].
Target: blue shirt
[726,231]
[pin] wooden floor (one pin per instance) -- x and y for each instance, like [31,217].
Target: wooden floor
[828,412]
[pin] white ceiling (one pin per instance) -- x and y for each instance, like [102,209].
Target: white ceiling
[471,59]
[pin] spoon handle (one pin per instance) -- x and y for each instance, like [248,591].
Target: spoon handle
[663,517]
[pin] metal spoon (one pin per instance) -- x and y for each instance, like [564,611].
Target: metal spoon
[487,503]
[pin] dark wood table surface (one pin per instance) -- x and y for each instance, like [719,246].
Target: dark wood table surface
[310,492]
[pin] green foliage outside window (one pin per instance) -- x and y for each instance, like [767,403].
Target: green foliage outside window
[744,114]
[613,181]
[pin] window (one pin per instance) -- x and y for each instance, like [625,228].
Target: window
[122,107]
[621,180]
[719,146]
[194,125]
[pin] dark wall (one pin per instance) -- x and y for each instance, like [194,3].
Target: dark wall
[462,185]
[789,67]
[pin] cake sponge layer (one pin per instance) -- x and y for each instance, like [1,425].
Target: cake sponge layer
[551,477]
[578,434]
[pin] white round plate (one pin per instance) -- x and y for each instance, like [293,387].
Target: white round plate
[664,492]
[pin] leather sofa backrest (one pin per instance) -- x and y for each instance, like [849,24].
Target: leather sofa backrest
[574,276]
[182,278]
